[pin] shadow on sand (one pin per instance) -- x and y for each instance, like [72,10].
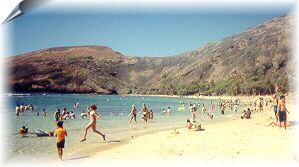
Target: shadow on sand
[76,158]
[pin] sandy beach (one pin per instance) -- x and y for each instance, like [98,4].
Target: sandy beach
[237,141]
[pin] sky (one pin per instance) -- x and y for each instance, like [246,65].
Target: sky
[148,33]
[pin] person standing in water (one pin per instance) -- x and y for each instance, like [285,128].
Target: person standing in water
[18,110]
[93,122]
[57,115]
[133,114]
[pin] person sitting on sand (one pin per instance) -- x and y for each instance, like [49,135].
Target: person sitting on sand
[40,133]
[246,114]
[272,124]
[23,130]
[189,124]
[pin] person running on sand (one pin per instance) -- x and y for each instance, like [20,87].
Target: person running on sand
[93,122]
[133,114]
[282,112]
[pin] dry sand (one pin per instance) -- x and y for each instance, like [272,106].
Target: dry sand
[238,141]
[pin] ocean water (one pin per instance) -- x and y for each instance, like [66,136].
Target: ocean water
[114,121]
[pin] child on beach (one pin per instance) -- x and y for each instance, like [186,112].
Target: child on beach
[60,133]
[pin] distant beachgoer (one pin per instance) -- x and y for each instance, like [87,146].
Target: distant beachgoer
[189,124]
[57,115]
[22,108]
[282,111]
[275,107]
[203,110]
[83,114]
[148,112]
[23,130]
[272,124]
[44,112]
[37,114]
[211,113]
[92,124]
[222,108]
[246,114]
[261,105]
[168,111]
[193,113]
[197,127]
[72,115]
[133,114]
[18,110]
[64,115]
[151,114]
[144,113]
[190,107]
[163,112]
[76,104]
[40,133]
[60,133]
[235,109]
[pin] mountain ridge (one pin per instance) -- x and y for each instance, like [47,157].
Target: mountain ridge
[263,50]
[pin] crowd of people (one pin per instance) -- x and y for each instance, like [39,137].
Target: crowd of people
[254,106]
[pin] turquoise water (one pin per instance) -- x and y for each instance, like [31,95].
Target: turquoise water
[114,121]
